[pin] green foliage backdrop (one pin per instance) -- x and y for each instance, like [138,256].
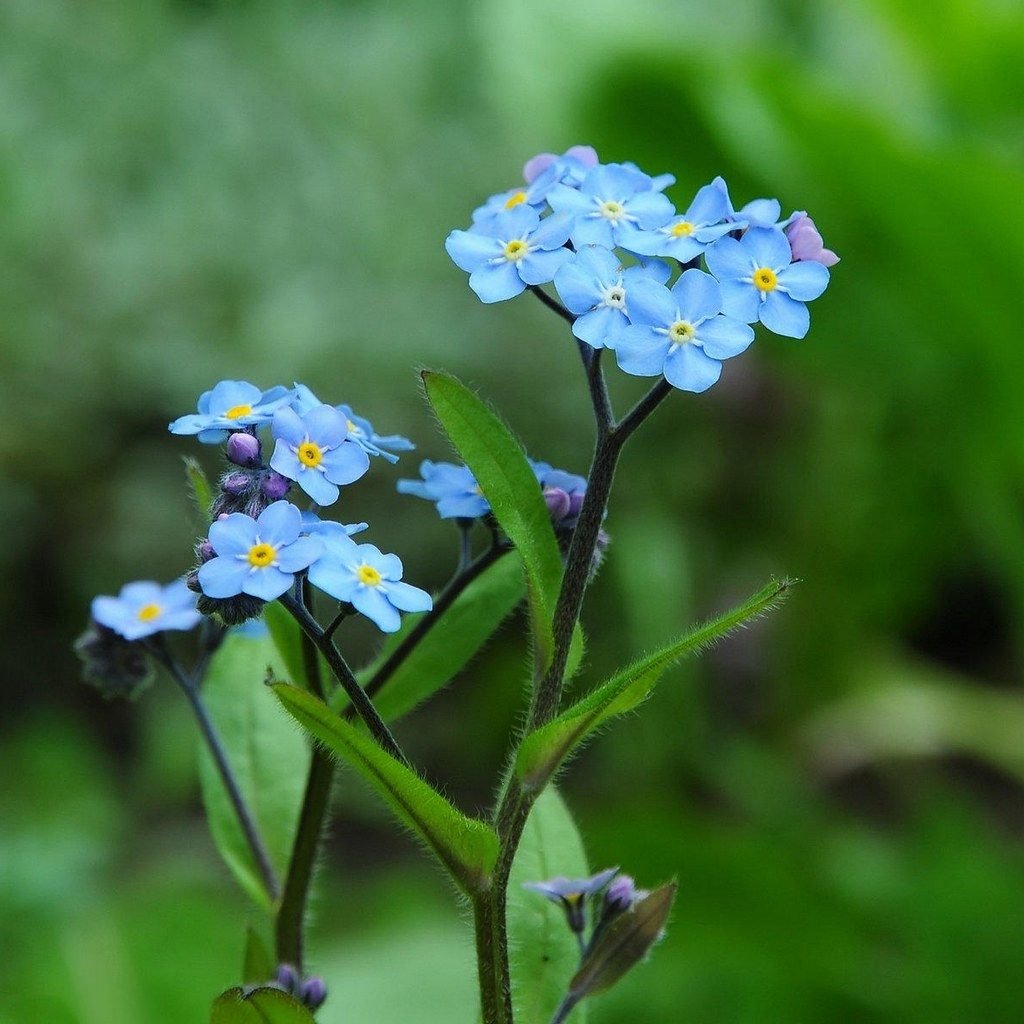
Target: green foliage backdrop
[207,189]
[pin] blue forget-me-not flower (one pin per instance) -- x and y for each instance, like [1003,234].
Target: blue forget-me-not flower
[368,580]
[258,557]
[144,608]
[452,488]
[231,405]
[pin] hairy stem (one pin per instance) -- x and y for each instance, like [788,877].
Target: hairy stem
[492,957]
[190,687]
[356,694]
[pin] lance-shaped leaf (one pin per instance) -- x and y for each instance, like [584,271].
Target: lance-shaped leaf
[624,943]
[258,965]
[199,485]
[267,756]
[450,643]
[543,751]
[261,1006]
[499,464]
[467,847]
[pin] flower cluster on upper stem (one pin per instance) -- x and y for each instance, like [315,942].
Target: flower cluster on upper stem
[609,241]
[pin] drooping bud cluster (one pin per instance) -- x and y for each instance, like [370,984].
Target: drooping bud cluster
[672,293]
[311,991]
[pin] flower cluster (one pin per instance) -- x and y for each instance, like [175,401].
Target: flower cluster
[610,241]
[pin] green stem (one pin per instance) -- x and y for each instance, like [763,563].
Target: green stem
[356,694]
[492,957]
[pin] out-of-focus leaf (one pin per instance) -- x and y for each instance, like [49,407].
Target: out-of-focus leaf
[199,485]
[543,952]
[499,464]
[262,1006]
[268,757]
[467,847]
[544,750]
[624,943]
[258,965]
[456,636]
[914,710]
[287,637]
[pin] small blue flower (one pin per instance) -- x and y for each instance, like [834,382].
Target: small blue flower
[533,194]
[680,332]
[258,557]
[611,198]
[595,286]
[144,608]
[758,213]
[760,281]
[453,488]
[231,405]
[315,451]
[313,524]
[516,249]
[360,429]
[685,237]
[572,893]
[367,579]
[573,164]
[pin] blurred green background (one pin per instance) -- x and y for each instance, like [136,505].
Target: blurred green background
[197,190]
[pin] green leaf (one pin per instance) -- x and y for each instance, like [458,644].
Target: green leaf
[456,636]
[262,1006]
[624,943]
[202,493]
[543,751]
[258,965]
[543,951]
[287,637]
[499,464]
[467,847]
[267,754]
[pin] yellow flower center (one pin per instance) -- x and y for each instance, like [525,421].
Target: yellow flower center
[309,454]
[681,230]
[353,429]
[368,575]
[514,200]
[261,555]
[765,279]
[148,612]
[611,209]
[516,250]
[237,411]
[681,332]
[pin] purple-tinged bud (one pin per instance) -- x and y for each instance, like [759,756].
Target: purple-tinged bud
[620,895]
[558,502]
[243,449]
[576,503]
[313,993]
[275,486]
[205,551]
[288,978]
[806,242]
[236,483]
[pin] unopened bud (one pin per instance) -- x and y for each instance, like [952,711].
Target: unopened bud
[288,978]
[313,993]
[236,483]
[558,502]
[243,449]
[275,486]
[620,895]
[205,551]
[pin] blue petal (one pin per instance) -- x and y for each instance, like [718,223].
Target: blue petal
[768,247]
[279,523]
[268,583]
[180,619]
[564,199]
[497,283]
[408,598]
[593,231]
[600,327]
[785,316]
[648,270]
[516,223]
[643,243]
[805,280]
[689,369]
[317,486]
[466,506]
[300,555]
[326,426]
[333,576]
[540,266]
[470,251]
[684,248]
[698,294]
[553,231]
[724,337]
[650,303]
[288,425]
[142,592]
[651,209]
[743,301]
[230,393]
[710,204]
[285,462]
[346,463]
[190,424]
[641,352]
[376,607]
[233,535]
[761,212]
[223,577]
[178,596]
[576,285]
[727,259]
